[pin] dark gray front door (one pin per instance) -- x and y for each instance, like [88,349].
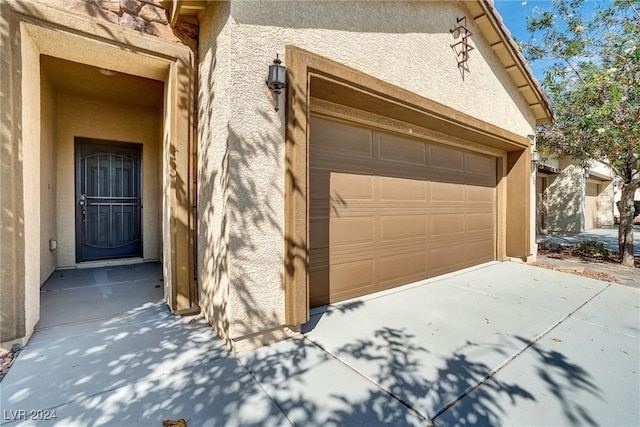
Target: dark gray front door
[108,192]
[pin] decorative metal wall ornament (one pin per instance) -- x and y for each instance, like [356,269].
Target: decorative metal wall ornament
[462,47]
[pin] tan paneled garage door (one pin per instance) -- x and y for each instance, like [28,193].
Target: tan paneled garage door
[387,210]
[591,206]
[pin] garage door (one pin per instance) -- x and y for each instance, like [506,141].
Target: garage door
[591,206]
[388,210]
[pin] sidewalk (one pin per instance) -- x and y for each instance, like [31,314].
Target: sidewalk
[607,236]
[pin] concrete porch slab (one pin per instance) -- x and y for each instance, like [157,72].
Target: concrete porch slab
[73,366]
[111,353]
[76,296]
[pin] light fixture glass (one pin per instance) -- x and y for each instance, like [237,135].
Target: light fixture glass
[276,80]
[535,157]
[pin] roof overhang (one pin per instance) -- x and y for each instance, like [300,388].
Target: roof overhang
[490,23]
[183,8]
[596,176]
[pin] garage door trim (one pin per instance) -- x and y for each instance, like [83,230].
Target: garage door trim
[340,84]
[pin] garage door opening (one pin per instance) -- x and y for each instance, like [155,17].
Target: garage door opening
[387,210]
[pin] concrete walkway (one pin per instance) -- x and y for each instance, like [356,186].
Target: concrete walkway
[501,344]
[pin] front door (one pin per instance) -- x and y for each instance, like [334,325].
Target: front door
[108,200]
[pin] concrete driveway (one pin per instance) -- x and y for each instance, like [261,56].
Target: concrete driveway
[499,344]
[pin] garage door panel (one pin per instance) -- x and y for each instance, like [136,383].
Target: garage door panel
[403,227]
[401,212]
[480,251]
[480,165]
[401,150]
[482,221]
[345,187]
[446,192]
[351,230]
[340,137]
[402,189]
[484,195]
[446,158]
[446,259]
[403,266]
[446,224]
[351,275]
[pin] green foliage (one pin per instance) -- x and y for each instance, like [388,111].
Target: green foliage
[636,207]
[593,82]
[591,249]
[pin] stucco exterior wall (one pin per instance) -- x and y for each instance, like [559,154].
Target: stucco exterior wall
[605,204]
[31,170]
[404,43]
[214,98]
[48,178]
[110,121]
[564,196]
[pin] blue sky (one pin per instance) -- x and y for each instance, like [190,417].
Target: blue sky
[515,12]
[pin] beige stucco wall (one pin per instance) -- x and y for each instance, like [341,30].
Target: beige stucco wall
[31,178]
[241,153]
[565,207]
[48,180]
[605,204]
[115,122]
[214,98]
[564,196]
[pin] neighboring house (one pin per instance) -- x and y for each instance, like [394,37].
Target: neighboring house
[131,133]
[572,199]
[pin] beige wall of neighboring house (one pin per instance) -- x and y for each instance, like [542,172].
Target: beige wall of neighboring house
[572,199]
[564,200]
[242,222]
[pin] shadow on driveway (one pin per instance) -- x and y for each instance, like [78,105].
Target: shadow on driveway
[500,344]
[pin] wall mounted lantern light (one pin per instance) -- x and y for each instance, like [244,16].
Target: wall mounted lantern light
[535,157]
[276,80]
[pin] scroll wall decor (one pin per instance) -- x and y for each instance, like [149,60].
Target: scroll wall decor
[461,47]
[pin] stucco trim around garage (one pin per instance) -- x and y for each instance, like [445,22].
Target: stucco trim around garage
[313,76]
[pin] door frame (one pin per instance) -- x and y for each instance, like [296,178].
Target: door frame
[43,30]
[78,142]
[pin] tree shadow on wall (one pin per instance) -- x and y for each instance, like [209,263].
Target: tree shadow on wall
[563,203]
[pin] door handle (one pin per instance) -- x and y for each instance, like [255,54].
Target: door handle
[83,206]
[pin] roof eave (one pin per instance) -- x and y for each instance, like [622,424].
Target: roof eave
[490,23]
